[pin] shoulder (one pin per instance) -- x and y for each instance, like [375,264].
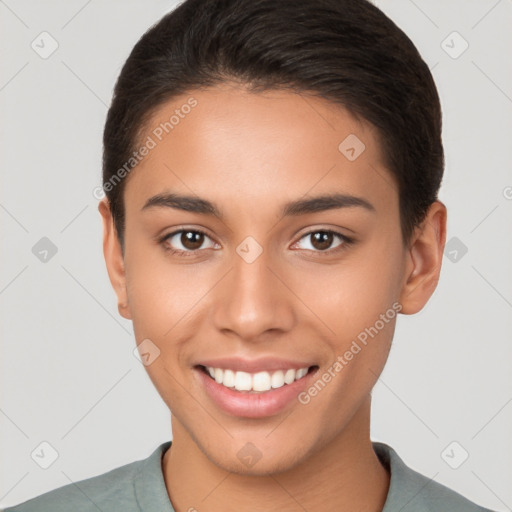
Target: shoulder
[114,490]
[88,494]
[410,491]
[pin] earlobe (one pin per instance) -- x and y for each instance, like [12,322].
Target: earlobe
[114,259]
[424,259]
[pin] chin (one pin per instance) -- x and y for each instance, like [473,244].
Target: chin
[266,466]
[247,459]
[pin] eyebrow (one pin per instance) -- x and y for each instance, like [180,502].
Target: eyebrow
[292,208]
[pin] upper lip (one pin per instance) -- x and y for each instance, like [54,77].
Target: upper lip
[262,364]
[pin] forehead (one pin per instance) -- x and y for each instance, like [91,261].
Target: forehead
[263,145]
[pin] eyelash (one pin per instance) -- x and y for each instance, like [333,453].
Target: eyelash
[345,242]
[179,252]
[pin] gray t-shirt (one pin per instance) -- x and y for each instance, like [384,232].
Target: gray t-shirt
[140,486]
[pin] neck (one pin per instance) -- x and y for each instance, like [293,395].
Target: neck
[343,475]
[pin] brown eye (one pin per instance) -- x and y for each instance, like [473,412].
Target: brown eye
[192,240]
[322,240]
[187,241]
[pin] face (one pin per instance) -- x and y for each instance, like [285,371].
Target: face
[265,265]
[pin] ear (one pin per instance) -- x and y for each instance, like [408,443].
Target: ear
[424,257]
[114,258]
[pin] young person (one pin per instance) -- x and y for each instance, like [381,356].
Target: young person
[271,172]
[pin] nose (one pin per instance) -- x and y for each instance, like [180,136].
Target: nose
[252,300]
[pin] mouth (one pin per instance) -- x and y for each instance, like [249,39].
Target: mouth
[258,382]
[257,394]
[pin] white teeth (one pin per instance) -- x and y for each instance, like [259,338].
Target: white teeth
[301,372]
[261,381]
[243,381]
[258,382]
[229,379]
[289,376]
[277,379]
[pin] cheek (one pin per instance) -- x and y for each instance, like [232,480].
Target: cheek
[359,305]
[351,296]
[160,294]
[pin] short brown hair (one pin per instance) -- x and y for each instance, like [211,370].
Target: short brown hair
[346,51]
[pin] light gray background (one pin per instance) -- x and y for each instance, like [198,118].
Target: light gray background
[68,374]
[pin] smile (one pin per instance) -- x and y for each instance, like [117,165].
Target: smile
[259,382]
[254,388]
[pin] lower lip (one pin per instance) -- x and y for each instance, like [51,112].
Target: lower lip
[253,405]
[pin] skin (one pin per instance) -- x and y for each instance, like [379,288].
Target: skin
[249,153]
